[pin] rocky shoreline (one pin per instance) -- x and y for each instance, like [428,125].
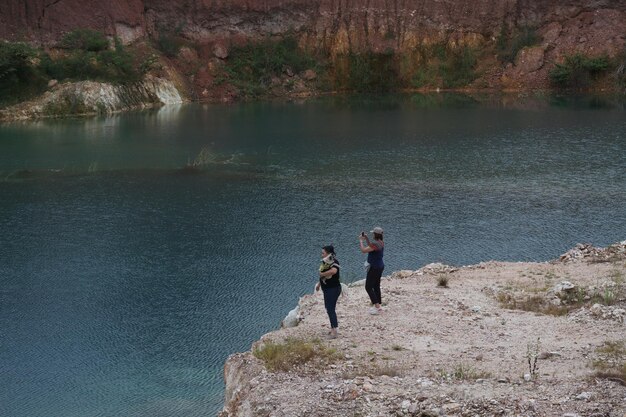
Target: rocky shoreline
[502,339]
[89,98]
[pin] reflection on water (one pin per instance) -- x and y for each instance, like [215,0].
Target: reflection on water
[138,251]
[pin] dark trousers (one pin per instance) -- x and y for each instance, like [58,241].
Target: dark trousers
[331,295]
[372,284]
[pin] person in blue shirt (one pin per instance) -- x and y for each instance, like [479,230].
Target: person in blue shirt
[375,250]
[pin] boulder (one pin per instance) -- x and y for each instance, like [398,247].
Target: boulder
[563,288]
[188,55]
[292,319]
[529,59]
[220,51]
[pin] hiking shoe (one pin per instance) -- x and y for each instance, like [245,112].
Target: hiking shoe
[374,311]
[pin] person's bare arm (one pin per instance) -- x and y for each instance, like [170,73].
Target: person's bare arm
[332,271]
[365,248]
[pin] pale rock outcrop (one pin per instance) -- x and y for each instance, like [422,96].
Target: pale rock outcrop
[90,97]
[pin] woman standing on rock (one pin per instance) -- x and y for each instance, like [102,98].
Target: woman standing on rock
[330,285]
[375,251]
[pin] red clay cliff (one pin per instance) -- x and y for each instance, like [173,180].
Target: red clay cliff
[339,26]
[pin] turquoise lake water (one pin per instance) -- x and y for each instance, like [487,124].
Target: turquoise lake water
[125,281]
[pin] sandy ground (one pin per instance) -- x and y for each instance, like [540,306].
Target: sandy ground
[454,351]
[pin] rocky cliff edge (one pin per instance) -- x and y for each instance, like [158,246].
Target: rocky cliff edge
[532,339]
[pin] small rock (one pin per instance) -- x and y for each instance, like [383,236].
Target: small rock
[548,355]
[405,405]
[367,386]
[531,405]
[584,396]
[556,301]
[527,377]
[451,408]
[413,408]
[427,383]
[52,83]
[188,54]
[563,287]
[571,415]
[220,51]
[310,75]
[476,309]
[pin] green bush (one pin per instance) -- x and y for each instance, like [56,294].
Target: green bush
[15,61]
[578,70]
[20,76]
[169,44]
[110,65]
[441,65]
[85,40]
[372,72]
[458,69]
[251,67]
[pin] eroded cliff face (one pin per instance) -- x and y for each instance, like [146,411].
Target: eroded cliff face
[335,24]
[341,26]
[47,20]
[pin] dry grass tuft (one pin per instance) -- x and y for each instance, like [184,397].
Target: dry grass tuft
[612,361]
[616,349]
[464,372]
[442,280]
[293,352]
[373,370]
[534,303]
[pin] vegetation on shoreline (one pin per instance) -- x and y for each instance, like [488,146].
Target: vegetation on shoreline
[255,68]
[252,68]
[579,70]
[82,54]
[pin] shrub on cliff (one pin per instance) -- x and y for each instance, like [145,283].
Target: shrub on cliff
[578,70]
[19,72]
[85,40]
[458,69]
[251,67]
[169,44]
[440,65]
[15,61]
[372,72]
[110,65]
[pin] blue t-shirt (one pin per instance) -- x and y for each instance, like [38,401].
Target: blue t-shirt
[375,258]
